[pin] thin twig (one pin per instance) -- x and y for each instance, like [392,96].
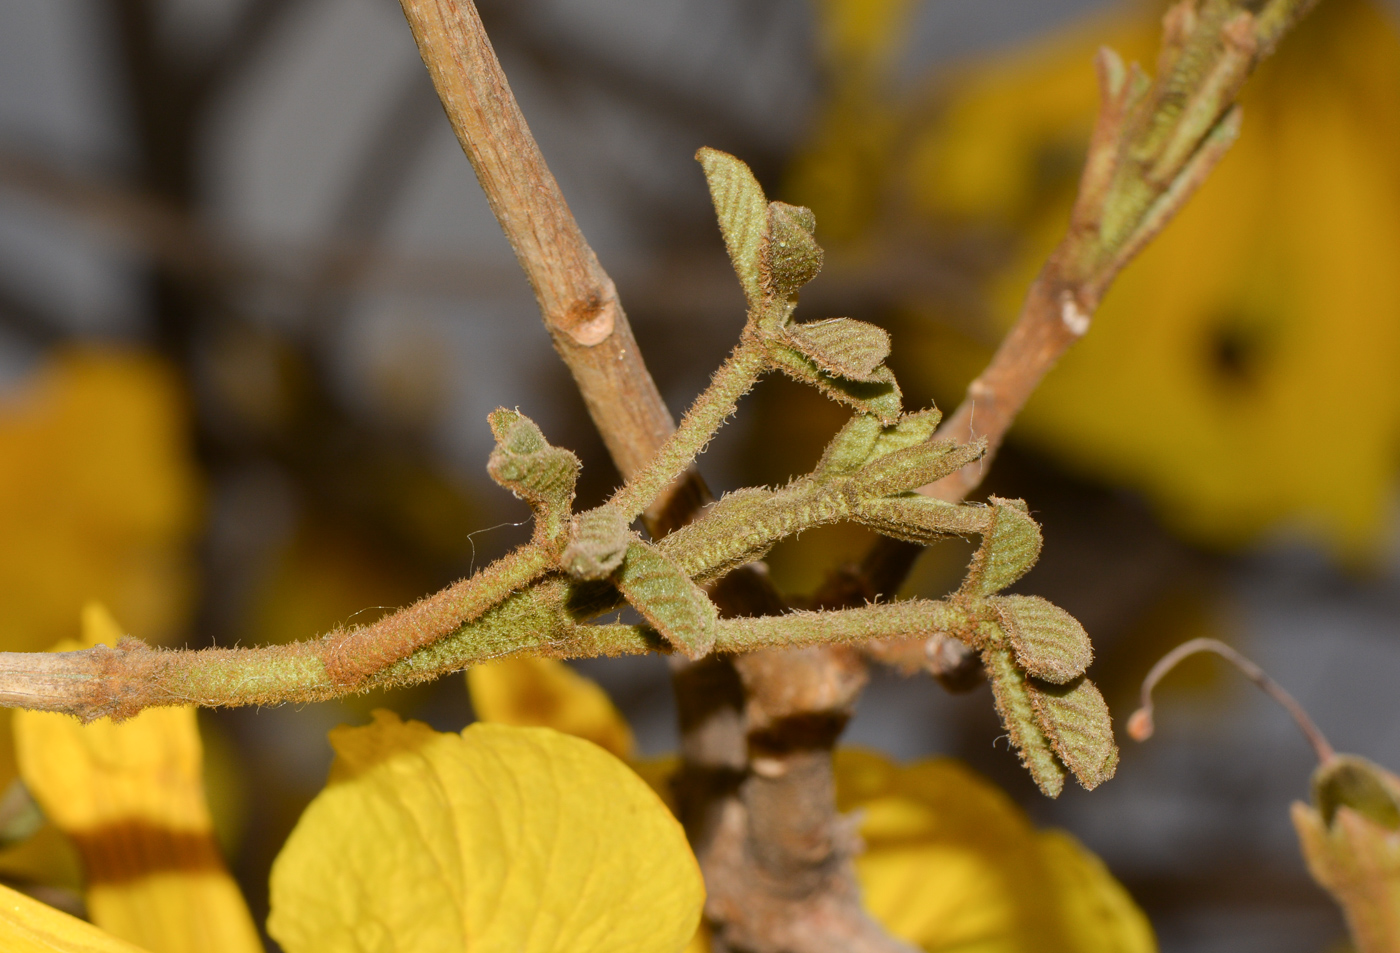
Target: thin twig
[577,299]
[1141,724]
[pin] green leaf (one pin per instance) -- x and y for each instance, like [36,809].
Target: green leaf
[852,446]
[790,256]
[1049,643]
[1014,703]
[843,347]
[878,396]
[1354,782]
[1009,549]
[917,466]
[911,430]
[599,544]
[865,439]
[743,216]
[1075,718]
[672,604]
[921,519]
[524,463]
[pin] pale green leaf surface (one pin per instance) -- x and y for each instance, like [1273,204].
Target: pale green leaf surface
[1076,720]
[1049,642]
[498,840]
[743,215]
[672,604]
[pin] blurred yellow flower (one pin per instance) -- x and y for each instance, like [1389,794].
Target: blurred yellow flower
[950,862]
[28,926]
[99,498]
[499,838]
[540,691]
[131,797]
[1264,320]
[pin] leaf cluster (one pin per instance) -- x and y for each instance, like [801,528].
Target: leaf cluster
[871,472]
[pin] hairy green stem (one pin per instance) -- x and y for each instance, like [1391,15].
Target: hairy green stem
[734,379]
[120,682]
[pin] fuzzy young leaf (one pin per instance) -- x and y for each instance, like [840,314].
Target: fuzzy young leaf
[790,256]
[1049,643]
[738,529]
[672,604]
[1013,696]
[921,519]
[742,209]
[600,540]
[1349,841]
[1350,781]
[524,463]
[843,347]
[852,446]
[878,396]
[916,466]
[865,439]
[1075,718]
[1009,549]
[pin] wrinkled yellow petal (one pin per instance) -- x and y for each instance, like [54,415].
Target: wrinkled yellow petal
[546,693]
[28,926]
[498,838]
[951,863]
[131,797]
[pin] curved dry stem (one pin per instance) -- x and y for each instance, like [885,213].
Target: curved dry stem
[1141,726]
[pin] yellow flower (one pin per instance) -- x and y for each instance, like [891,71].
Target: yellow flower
[950,864]
[99,498]
[538,691]
[498,838]
[1264,321]
[28,926]
[131,797]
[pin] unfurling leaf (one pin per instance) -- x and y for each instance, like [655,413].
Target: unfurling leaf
[1351,841]
[1075,718]
[672,604]
[1013,696]
[1049,643]
[743,215]
[921,519]
[498,838]
[865,439]
[532,692]
[790,255]
[852,447]
[1350,781]
[526,464]
[843,347]
[878,396]
[1009,549]
[600,540]
[917,466]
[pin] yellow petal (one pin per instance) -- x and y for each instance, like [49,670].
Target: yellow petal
[951,863]
[28,926]
[546,693]
[500,838]
[131,797]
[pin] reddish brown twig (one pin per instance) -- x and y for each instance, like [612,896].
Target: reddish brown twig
[1141,725]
